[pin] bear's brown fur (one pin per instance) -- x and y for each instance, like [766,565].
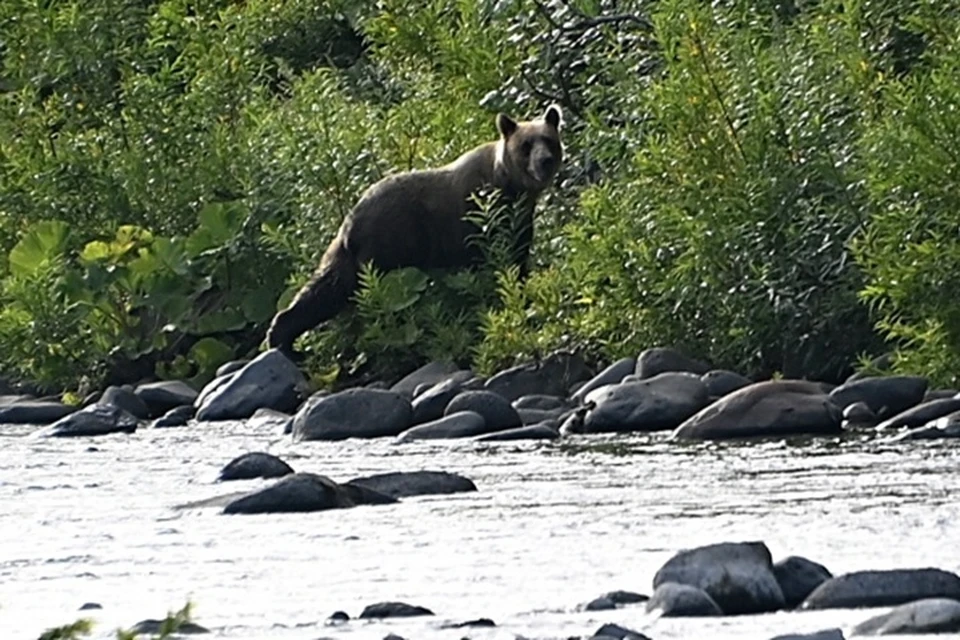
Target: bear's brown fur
[416,219]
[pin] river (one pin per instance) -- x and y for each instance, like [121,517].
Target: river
[552,526]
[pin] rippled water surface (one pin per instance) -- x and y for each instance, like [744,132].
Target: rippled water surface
[551,527]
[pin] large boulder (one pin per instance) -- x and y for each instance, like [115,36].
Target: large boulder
[271,380]
[304,492]
[459,424]
[125,399]
[737,575]
[353,413]
[160,397]
[393,610]
[946,427]
[798,577]
[94,420]
[672,599]
[402,484]
[610,631]
[653,362]
[255,464]
[34,412]
[721,382]
[931,615]
[614,374]
[497,412]
[883,588]
[886,396]
[772,408]
[921,414]
[655,404]
[431,403]
[554,375]
[430,373]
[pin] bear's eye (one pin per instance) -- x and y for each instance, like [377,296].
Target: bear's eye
[526,147]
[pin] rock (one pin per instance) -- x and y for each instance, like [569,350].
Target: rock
[127,400]
[159,627]
[540,431]
[95,420]
[573,423]
[338,616]
[886,396]
[921,414]
[430,404]
[304,492]
[676,600]
[460,424]
[269,381]
[798,577]
[255,464]
[497,412]
[34,412]
[160,397]
[617,632]
[737,575]
[536,416]
[88,606]
[393,610]
[540,402]
[477,623]
[602,603]
[653,362]
[859,414]
[883,588]
[654,404]
[430,373]
[231,367]
[930,615]
[771,408]
[946,427]
[720,382]
[403,484]
[939,394]
[625,597]
[8,399]
[553,376]
[614,374]
[270,420]
[825,634]
[178,417]
[353,413]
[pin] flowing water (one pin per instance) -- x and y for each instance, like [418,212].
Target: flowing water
[552,526]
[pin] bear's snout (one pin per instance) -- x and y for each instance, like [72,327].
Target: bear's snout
[544,167]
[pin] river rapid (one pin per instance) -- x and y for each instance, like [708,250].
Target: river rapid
[552,526]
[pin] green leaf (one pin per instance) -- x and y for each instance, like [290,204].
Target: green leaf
[259,305]
[44,240]
[210,353]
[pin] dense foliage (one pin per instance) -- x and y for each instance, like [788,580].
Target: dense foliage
[768,185]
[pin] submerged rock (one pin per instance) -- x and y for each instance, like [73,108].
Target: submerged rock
[883,588]
[353,413]
[176,417]
[94,420]
[402,484]
[676,600]
[737,575]
[771,408]
[798,577]
[255,464]
[271,380]
[653,362]
[655,404]
[616,632]
[459,424]
[393,610]
[930,615]
[160,397]
[34,412]
[304,492]
[885,396]
[497,412]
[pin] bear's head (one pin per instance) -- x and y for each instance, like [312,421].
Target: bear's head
[530,152]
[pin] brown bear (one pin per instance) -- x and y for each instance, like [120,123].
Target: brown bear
[417,219]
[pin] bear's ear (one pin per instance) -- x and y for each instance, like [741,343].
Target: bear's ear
[506,125]
[553,116]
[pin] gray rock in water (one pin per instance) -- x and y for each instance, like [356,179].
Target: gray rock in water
[886,396]
[720,382]
[677,600]
[573,423]
[824,634]
[930,615]
[255,464]
[536,416]
[353,413]
[430,373]
[160,397]
[617,632]
[540,431]
[653,362]
[304,492]
[614,374]
[946,427]
[157,627]
[655,404]
[602,603]
[34,412]
[497,412]
[772,408]
[540,402]
[88,606]
[430,404]
[177,417]
[859,414]
[883,588]
[625,597]
[798,577]
[393,610]
[94,420]
[460,424]
[403,484]
[921,414]
[270,419]
[469,624]
[939,394]
[737,575]
[127,400]
[553,376]
[270,381]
